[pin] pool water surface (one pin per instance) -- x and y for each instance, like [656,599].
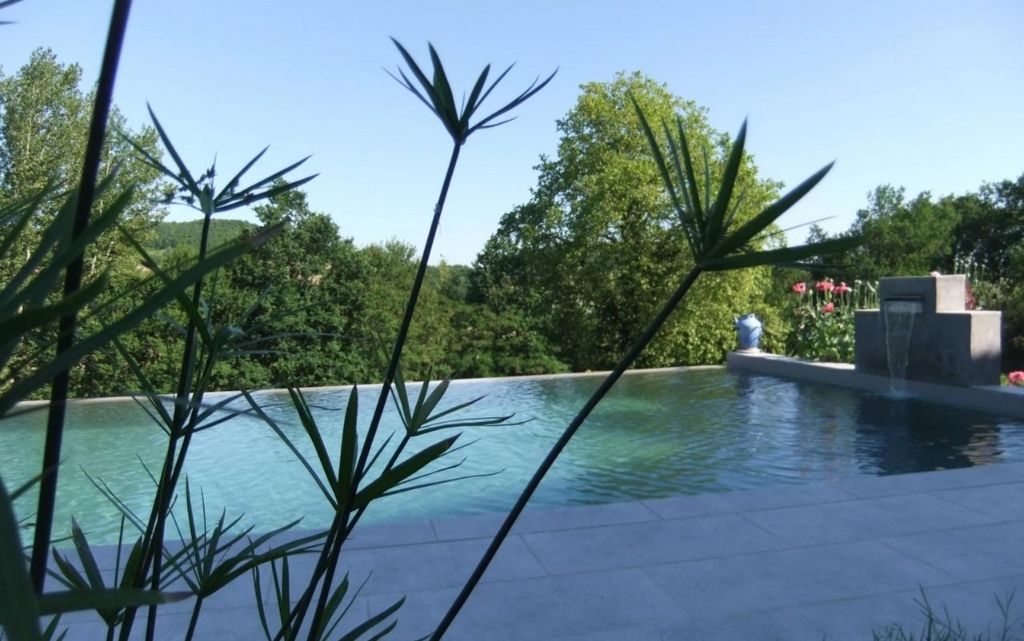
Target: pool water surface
[657,434]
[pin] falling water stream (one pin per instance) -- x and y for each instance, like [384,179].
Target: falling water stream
[899,327]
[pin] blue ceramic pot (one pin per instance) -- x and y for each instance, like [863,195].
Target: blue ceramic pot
[748,331]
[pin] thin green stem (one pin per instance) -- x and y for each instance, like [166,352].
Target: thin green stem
[340,525]
[410,308]
[556,449]
[72,283]
[184,406]
[181,428]
[394,459]
[194,619]
[398,452]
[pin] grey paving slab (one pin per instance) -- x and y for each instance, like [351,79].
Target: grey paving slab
[544,519]
[640,544]
[748,627]
[580,605]
[955,607]
[107,555]
[646,633]
[872,486]
[724,502]
[584,516]
[216,625]
[479,526]
[971,553]
[239,593]
[400,533]
[422,611]
[437,565]
[1003,588]
[865,518]
[769,580]
[794,562]
[1005,501]
[854,619]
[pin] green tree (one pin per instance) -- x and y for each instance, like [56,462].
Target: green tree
[989,245]
[430,351]
[493,344]
[980,234]
[296,302]
[44,123]
[168,235]
[990,231]
[903,238]
[155,343]
[594,248]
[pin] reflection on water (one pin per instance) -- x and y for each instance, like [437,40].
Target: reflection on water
[656,434]
[899,435]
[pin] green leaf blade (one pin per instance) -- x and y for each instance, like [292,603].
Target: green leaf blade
[400,472]
[784,255]
[768,215]
[110,598]
[718,212]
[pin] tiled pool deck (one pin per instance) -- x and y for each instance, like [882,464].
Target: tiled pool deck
[831,560]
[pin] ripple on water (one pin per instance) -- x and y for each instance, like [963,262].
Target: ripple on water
[656,434]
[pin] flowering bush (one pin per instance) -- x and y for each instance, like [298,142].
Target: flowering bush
[1016,378]
[822,318]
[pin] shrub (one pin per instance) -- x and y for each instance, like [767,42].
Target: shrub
[822,325]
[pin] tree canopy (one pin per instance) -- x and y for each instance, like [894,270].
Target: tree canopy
[566,282]
[597,247]
[980,234]
[44,123]
[168,235]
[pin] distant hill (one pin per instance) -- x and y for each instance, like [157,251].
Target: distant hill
[170,235]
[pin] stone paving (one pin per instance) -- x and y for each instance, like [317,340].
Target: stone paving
[831,560]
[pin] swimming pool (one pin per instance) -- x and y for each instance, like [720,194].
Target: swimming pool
[657,434]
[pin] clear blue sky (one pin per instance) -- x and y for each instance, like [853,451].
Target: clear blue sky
[925,94]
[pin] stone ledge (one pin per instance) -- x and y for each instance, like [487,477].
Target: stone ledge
[998,399]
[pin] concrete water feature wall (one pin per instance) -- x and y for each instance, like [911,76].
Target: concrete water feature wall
[948,354]
[924,332]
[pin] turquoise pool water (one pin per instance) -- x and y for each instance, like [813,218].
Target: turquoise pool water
[657,434]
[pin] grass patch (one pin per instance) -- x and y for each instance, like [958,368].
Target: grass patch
[945,626]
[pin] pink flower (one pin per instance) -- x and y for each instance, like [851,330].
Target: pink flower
[799,288]
[1016,378]
[829,308]
[842,288]
[824,285]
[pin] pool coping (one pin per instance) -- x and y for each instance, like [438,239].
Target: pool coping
[331,388]
[998,399]
[838,558]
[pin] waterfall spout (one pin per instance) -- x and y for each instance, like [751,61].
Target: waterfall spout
[924,332]
[899,317]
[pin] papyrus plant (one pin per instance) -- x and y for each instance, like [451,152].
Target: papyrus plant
[717,240]
[32,303]
[214,553]
[360,472]
[206,344]
[351,483]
